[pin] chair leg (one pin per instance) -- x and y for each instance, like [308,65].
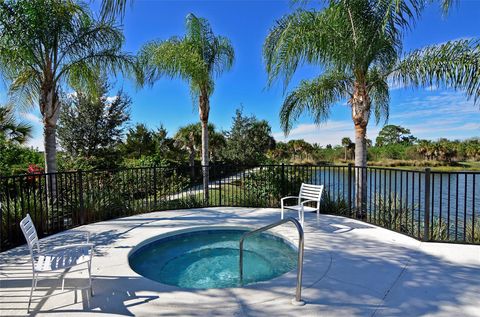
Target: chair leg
[282,212]
[90,277]
[302,216]
[34,285]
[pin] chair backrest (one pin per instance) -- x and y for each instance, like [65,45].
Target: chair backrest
[311,192]
[28,229]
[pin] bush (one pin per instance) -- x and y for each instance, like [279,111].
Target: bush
[15,159]
[264,186]
[338,206]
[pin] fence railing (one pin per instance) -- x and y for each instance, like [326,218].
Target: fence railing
[433,206]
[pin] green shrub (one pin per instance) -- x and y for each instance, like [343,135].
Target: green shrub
[264,187]
[333,206]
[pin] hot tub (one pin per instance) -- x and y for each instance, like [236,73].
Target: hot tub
[209,258]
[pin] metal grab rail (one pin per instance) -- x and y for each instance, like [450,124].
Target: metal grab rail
[298,294]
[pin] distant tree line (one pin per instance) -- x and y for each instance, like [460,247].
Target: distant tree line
[393,143]
[95,132]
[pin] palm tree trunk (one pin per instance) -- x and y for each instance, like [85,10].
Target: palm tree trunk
[50,142]
[345,153]
[360,103]
[49,108]
[205,160]
[204,111]
[360,170]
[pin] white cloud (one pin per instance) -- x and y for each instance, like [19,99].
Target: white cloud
[31,117]
[36,143]
[37,140]
[442,104]
[445,114]
[111,99]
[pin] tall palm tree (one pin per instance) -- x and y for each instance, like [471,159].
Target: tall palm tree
[358,43]
[11,129]
[48,45]
[198,57]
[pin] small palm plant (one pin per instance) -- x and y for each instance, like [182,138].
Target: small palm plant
[188,138]
[198,58]
[358,44]
[346,143]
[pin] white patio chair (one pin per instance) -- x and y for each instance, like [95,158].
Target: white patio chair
[61,258]
[308,193]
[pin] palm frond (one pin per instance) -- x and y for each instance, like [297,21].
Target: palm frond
[446,5]
[50,43]
[24,88]
[224,55]
[379,93]
[175,57]
[346,36]
[315,97]
[113,8]
[455,64]
[10,128]
[197,57]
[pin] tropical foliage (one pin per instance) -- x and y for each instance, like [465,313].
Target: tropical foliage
[48,45]
[358,44]
[14,159]
[394,134]
[92,126]
[198,57]
[11,129]
[248,140]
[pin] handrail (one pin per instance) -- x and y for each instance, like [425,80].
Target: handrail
[298,294]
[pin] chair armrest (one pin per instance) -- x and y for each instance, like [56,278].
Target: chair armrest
[69,246]
[289,197]
[309,201]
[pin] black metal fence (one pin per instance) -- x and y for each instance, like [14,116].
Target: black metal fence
[433,206]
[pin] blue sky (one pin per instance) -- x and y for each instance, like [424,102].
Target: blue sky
[430,113]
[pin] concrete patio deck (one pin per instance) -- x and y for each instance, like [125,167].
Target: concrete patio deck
[350,269]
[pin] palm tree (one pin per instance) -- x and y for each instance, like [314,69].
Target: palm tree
[48,45]
[11,129]
[472,149]
[358,43]
[346,143]
[188,138]
[198,58]
[217,141]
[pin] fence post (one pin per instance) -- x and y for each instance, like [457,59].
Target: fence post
[220,188]
[155,187]
[1,217]
[80,198]
[283,180]
[426,215]
[349,183]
